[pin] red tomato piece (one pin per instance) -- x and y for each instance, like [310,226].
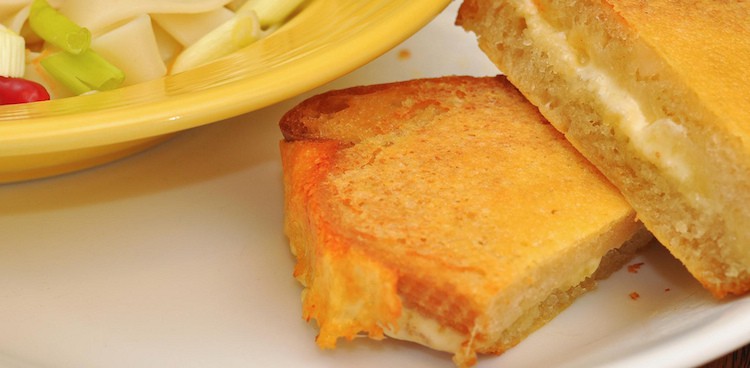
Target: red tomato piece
[19,90]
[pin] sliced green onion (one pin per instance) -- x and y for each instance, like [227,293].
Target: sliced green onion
[83,72]
[57,29]
[12,53]
[272,12]
[239,31]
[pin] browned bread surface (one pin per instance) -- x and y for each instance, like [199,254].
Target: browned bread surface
[657,95]
[444,211]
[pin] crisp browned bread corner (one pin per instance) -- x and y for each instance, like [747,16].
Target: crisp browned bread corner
[444,211]
[656,94]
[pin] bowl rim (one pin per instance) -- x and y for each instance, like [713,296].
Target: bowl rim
[77,122]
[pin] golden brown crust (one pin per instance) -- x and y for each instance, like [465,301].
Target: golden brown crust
[678,145]
[336,275]
[448,200]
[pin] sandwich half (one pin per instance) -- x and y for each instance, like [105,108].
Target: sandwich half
[657,95]
[443,211]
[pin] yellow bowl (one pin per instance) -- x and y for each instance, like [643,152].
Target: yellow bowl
[327,39]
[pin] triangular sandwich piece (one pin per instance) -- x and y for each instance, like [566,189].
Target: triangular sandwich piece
[443,211]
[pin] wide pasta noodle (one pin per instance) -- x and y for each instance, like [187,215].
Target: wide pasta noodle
[13,13]
[15,21]
[121,26]
[117,47]
[188,28]
[99,15]
[141,38]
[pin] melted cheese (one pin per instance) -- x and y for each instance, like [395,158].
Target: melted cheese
[417,328]
[662,141]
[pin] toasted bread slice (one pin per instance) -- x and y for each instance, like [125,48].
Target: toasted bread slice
[657,95]
[443,211]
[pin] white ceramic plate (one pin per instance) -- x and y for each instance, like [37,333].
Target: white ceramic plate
[175,257]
